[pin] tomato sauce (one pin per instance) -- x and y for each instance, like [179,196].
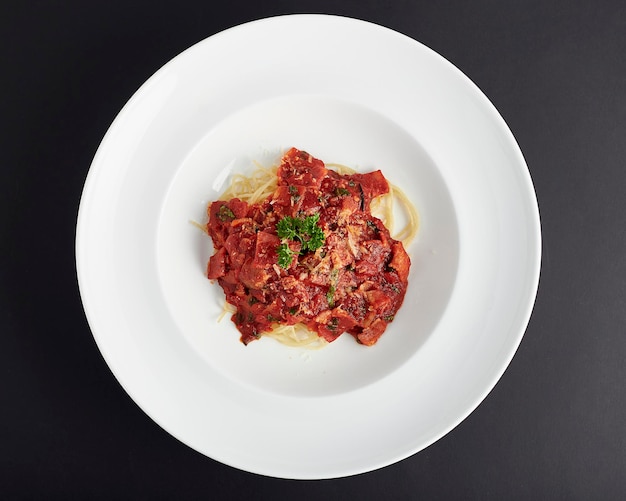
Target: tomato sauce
[354,283]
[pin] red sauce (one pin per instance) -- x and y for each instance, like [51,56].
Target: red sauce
[355,282]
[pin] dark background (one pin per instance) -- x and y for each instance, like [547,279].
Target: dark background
[554,427]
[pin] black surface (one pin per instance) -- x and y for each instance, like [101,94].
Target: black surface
[554,427]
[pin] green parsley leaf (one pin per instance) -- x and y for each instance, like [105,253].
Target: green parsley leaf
[304,230]
[285,255]
[313,235]
[287,227]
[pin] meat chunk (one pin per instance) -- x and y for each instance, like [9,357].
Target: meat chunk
[400,261]
[300,168]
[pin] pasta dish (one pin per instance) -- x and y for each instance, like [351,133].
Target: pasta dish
[301,257]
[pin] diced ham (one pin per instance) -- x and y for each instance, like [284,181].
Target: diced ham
[217,264]
[371,334]
[379,301]
[252,275]
[373,184]
[300,168]
[374,254]
[400,262]
[265,251]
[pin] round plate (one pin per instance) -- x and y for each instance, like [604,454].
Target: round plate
[348,92]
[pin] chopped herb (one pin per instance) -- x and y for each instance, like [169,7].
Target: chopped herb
[332,325]
[293,311]
[372,226]
[293,191]
[330,295]
[252,300]
[388,318]
[225,214]
[340,192]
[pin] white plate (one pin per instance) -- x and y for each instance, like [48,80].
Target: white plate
[349,92]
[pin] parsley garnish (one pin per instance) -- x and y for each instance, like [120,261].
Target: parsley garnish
[285,255]
[303,230]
